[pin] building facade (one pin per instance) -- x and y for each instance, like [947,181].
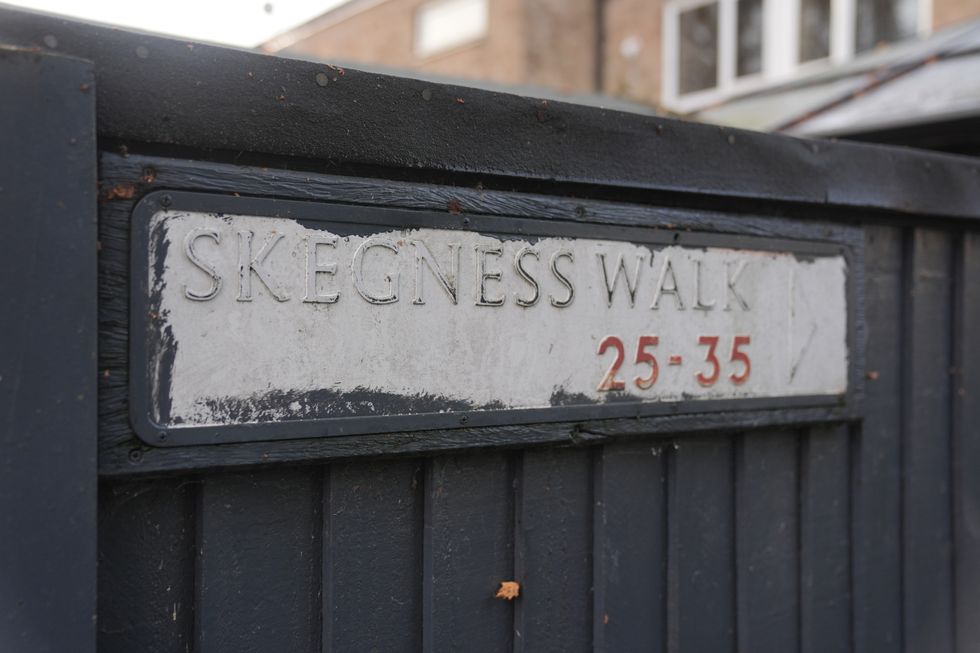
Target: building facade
[677,55]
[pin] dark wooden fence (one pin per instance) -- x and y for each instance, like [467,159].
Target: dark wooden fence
[750,531]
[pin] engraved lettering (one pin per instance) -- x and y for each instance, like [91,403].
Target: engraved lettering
[620,266]
[524,274]
[247,264]
[313,268]
[699,303]
[731,278]
[664,289]
[562,253]
[448,282]
[205,267]
[482,275]
[357,272]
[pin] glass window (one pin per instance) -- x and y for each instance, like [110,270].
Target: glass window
[883,21]
[749,61]
[446,24]
[814,29]
[699,49]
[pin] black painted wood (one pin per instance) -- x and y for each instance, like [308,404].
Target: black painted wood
[231,102]
[767,541]
[117,441]
[701,554]
[258,567]
[554,551]
[147,546]
[927,520]
[825,540]
[48,309]
[469,551]
[844,528]
[877,498]
[631,546]
[966,446]
[372,556]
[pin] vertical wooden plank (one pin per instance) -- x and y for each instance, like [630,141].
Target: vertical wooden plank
[146,566]
[767,546]
[48,370]
[967,444]
[259,562]
[372,556]
[631,547]
[469,524]
[701,537]
[555,550]
[877,491]
[927,519]
[825,540]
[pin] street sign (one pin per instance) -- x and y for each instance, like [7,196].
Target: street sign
[262,319]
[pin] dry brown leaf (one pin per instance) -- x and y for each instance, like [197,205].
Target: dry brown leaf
[509,590]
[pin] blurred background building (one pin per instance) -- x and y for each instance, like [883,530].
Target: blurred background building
[678,54]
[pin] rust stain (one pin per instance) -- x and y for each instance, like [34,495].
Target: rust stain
[509,590]
[873,375]
[454,206]
[119,192]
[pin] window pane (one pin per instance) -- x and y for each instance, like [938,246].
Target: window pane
[699,49]
[749,59]
[446,24]
[814,29]
[884,21]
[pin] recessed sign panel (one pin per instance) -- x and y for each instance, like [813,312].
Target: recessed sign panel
[271,320]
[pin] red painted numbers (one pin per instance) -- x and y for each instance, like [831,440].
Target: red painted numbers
[645,356]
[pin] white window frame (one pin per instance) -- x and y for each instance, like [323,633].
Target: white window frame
[423,51]
[780,47]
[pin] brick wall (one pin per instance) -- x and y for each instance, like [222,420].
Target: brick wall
[544,43]
[632,50]
[947,12]
[383,33]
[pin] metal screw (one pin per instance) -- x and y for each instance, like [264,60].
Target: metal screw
[166,201]
[426,94]
[322,79]
[463,419]
[142,52]
[135,455]
[161,436]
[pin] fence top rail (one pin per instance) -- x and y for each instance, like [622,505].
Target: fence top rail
[237,104]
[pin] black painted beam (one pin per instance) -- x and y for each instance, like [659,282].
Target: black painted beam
[48,321]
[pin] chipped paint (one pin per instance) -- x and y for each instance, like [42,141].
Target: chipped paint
[387,321]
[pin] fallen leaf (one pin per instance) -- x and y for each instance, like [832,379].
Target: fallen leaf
[509,590]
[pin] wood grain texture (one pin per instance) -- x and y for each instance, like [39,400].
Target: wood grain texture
[372,556]
[767,541]
[825,540]
[877,490]
[631,546]
[258,566]
[469,552]
[927,519]
[117,441]
[554,550]
[146,566]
